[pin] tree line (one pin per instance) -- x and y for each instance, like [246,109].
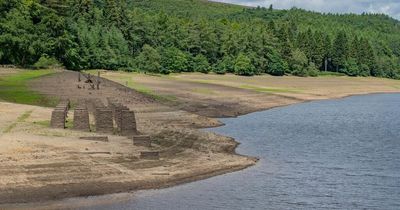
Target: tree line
[126,35]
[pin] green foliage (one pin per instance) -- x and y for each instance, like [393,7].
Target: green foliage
[298,63]
[276,66]
[194,35]
[149,60]
[200,64]
[312,70]
[243,65]
[174,60]
[226,64]
[351,67]
[46,62]
[340,50]
[15,88]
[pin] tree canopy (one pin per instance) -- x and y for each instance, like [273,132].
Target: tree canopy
[194,35]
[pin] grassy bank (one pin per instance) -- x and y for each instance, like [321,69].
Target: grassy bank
[14,88]
[125,79]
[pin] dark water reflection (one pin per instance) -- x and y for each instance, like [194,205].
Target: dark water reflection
[336,154]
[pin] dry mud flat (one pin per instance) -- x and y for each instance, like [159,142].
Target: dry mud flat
[230,95]
[38,163]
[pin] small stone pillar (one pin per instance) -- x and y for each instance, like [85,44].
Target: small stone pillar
[142,140]
[104,120]
[81,119]
[150,155]
[128,123]
[58,119]
[118,116]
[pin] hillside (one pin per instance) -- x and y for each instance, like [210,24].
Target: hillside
[196,35]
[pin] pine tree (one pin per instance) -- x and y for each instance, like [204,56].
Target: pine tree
[285,44]
[366,57]
[319,51]
[340,50]
[149,60]
[327,52]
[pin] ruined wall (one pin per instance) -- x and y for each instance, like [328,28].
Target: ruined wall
[81,118]
[128,123]
[60,114]
[142,140]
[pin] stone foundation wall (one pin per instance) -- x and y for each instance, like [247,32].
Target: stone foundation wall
[118,116]
[81,119]
[128,123]
[60,114]
[104,120]
[150,155]
[58,119]
[95,138]
[142,140]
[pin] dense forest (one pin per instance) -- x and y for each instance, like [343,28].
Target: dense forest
[195,35]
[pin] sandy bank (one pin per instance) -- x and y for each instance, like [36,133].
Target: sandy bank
[38,163]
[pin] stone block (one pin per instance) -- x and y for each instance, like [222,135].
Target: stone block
[95,138]
[128,123]
[81,119]
[58,119]
[104,120]
[142,140]
[118,116]
[150,155]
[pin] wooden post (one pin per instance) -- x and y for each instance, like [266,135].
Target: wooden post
[79,76]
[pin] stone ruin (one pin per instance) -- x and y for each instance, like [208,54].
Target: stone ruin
[128,123]
[59,114]
[104,120]
[104,117]
[89,79]
[150,155]
[142,140]
[81,118]
[124,119]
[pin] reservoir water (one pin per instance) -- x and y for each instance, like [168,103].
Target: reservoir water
[334,154]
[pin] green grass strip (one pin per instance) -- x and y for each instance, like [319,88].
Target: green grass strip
[20,119]
[269,90]
[147,91]
[14,88]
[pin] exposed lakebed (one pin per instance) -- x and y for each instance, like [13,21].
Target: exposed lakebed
[333,154]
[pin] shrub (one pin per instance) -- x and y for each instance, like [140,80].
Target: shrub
[46,62]
[243,66]
[312,70]
[200,64]
[276,65]
[226,64]
[174,60]
[149,60]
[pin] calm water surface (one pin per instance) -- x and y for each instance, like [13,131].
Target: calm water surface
[336,154]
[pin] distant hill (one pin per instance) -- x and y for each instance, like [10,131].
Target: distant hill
[197,35]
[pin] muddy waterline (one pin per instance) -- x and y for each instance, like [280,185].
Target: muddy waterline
[334,154]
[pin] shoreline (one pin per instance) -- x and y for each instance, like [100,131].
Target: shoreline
[118,187]
[226,149]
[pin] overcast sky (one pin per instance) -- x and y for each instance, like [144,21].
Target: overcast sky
[390,7]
